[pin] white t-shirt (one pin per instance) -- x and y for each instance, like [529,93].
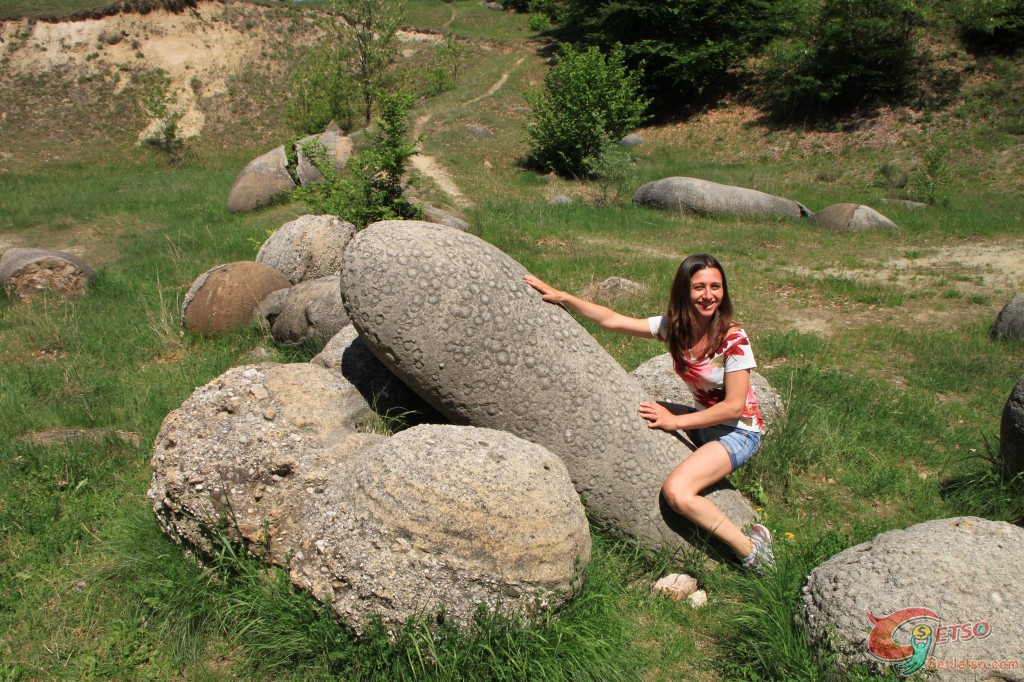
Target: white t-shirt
[706,376]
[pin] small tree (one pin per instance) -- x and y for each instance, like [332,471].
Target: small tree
[587,99]
[323,91]
[367,34]
[158,103]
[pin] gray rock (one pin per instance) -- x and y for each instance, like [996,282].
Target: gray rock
[347,354]
[525,111]
[851,218]
[309,247]
[435,518]
[308,311]
[658,377]
[945,572]
[225,297]
[560,200]
[24,272]
[613,289]
[260,181]
[452,317]
[632,140]
[478,130]
[1011,432]
[1009,324]
[111,36]
[691,196]
[432,214]
[339,151]
[904,203]
[492,5]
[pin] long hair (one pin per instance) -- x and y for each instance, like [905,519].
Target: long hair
[682,316]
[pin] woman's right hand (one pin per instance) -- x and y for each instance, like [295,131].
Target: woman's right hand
[547,292]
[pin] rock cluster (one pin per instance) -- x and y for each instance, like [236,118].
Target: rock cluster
[451,316]
[24,272]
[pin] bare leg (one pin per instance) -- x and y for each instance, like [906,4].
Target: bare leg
[707,465]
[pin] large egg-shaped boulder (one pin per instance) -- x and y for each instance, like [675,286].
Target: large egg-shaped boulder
[692,196]
[261,180]
[309,247]
[225,297]
[24,272]
[452,317]
[851,218]
[307,312]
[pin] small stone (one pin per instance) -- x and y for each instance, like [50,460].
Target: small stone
[560,200]
[259,391]
[923,476]
[676,585]
[698,599]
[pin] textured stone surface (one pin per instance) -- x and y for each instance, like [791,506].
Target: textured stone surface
[24,272]
[339,151]
[1009,322]
[676,585]
[226,296]
[452,317]
[1011,432]
[433,518]
[262,179]
[851,218]
[689,196]
[963,570]
[659,378]
[308,311]
[309,247]
[347,355]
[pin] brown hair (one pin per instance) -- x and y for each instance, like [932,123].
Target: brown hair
[681,316]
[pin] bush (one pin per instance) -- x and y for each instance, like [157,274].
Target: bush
[159,103]
[322,91]
[853,54]
[992,26]
[587,99]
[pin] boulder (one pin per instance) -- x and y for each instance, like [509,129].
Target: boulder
[851,218]
[24,272]
[347,355]
[111,36]
[691,196]
[433,520]
[612,289]
[904,203]
[260,181]
[224,297]
[951,579]
[432,214]
[478,130]
[560,200]
[1011,432]
[658,377]
[339,151]
[451,316]
[1009,324]
[492,5]
[632,140]
[307,311]
[309,247]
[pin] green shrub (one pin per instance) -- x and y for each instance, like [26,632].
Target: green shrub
[443,70]
[614,172]
[322,91]
[992,26]
[588,98]
[158,101]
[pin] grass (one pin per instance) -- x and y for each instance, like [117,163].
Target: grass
[892,404]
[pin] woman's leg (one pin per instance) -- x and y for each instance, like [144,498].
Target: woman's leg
[707,465]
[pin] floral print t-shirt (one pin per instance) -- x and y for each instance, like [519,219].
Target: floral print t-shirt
[706,377]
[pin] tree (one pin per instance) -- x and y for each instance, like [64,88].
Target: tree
[367,33]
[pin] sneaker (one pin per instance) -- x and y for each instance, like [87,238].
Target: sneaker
[761,559]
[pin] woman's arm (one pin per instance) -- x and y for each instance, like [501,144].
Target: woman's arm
[606,318]
[736,386]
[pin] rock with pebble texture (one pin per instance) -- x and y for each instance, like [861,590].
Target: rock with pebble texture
[1009,324]
[309,247]
[851,218]
[308,311]
[225,297]
[659,378]
[939,573]
[24,272]
[260,181]
[1011,432]
[338,148]
[451,316]
[692,196]
[347,355]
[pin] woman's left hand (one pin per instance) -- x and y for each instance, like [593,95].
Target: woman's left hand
[658,417]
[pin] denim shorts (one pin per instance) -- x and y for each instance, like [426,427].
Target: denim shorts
[739,443]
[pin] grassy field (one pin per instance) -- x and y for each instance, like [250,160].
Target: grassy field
[878,344]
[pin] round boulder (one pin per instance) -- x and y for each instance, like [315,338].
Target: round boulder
[308,311]
[451,316]
[692,196]
[24,272]
[1011,432]
[851,218]
[309,247]
[632,140]
[260,181]
[560,200]
[659,379]
[446,518]
[1009,324]
[338,149]
[111,36]
[224,298]
[955,582]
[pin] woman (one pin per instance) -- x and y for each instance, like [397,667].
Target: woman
[712,355]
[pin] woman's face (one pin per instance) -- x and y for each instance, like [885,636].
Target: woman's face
[706,291]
